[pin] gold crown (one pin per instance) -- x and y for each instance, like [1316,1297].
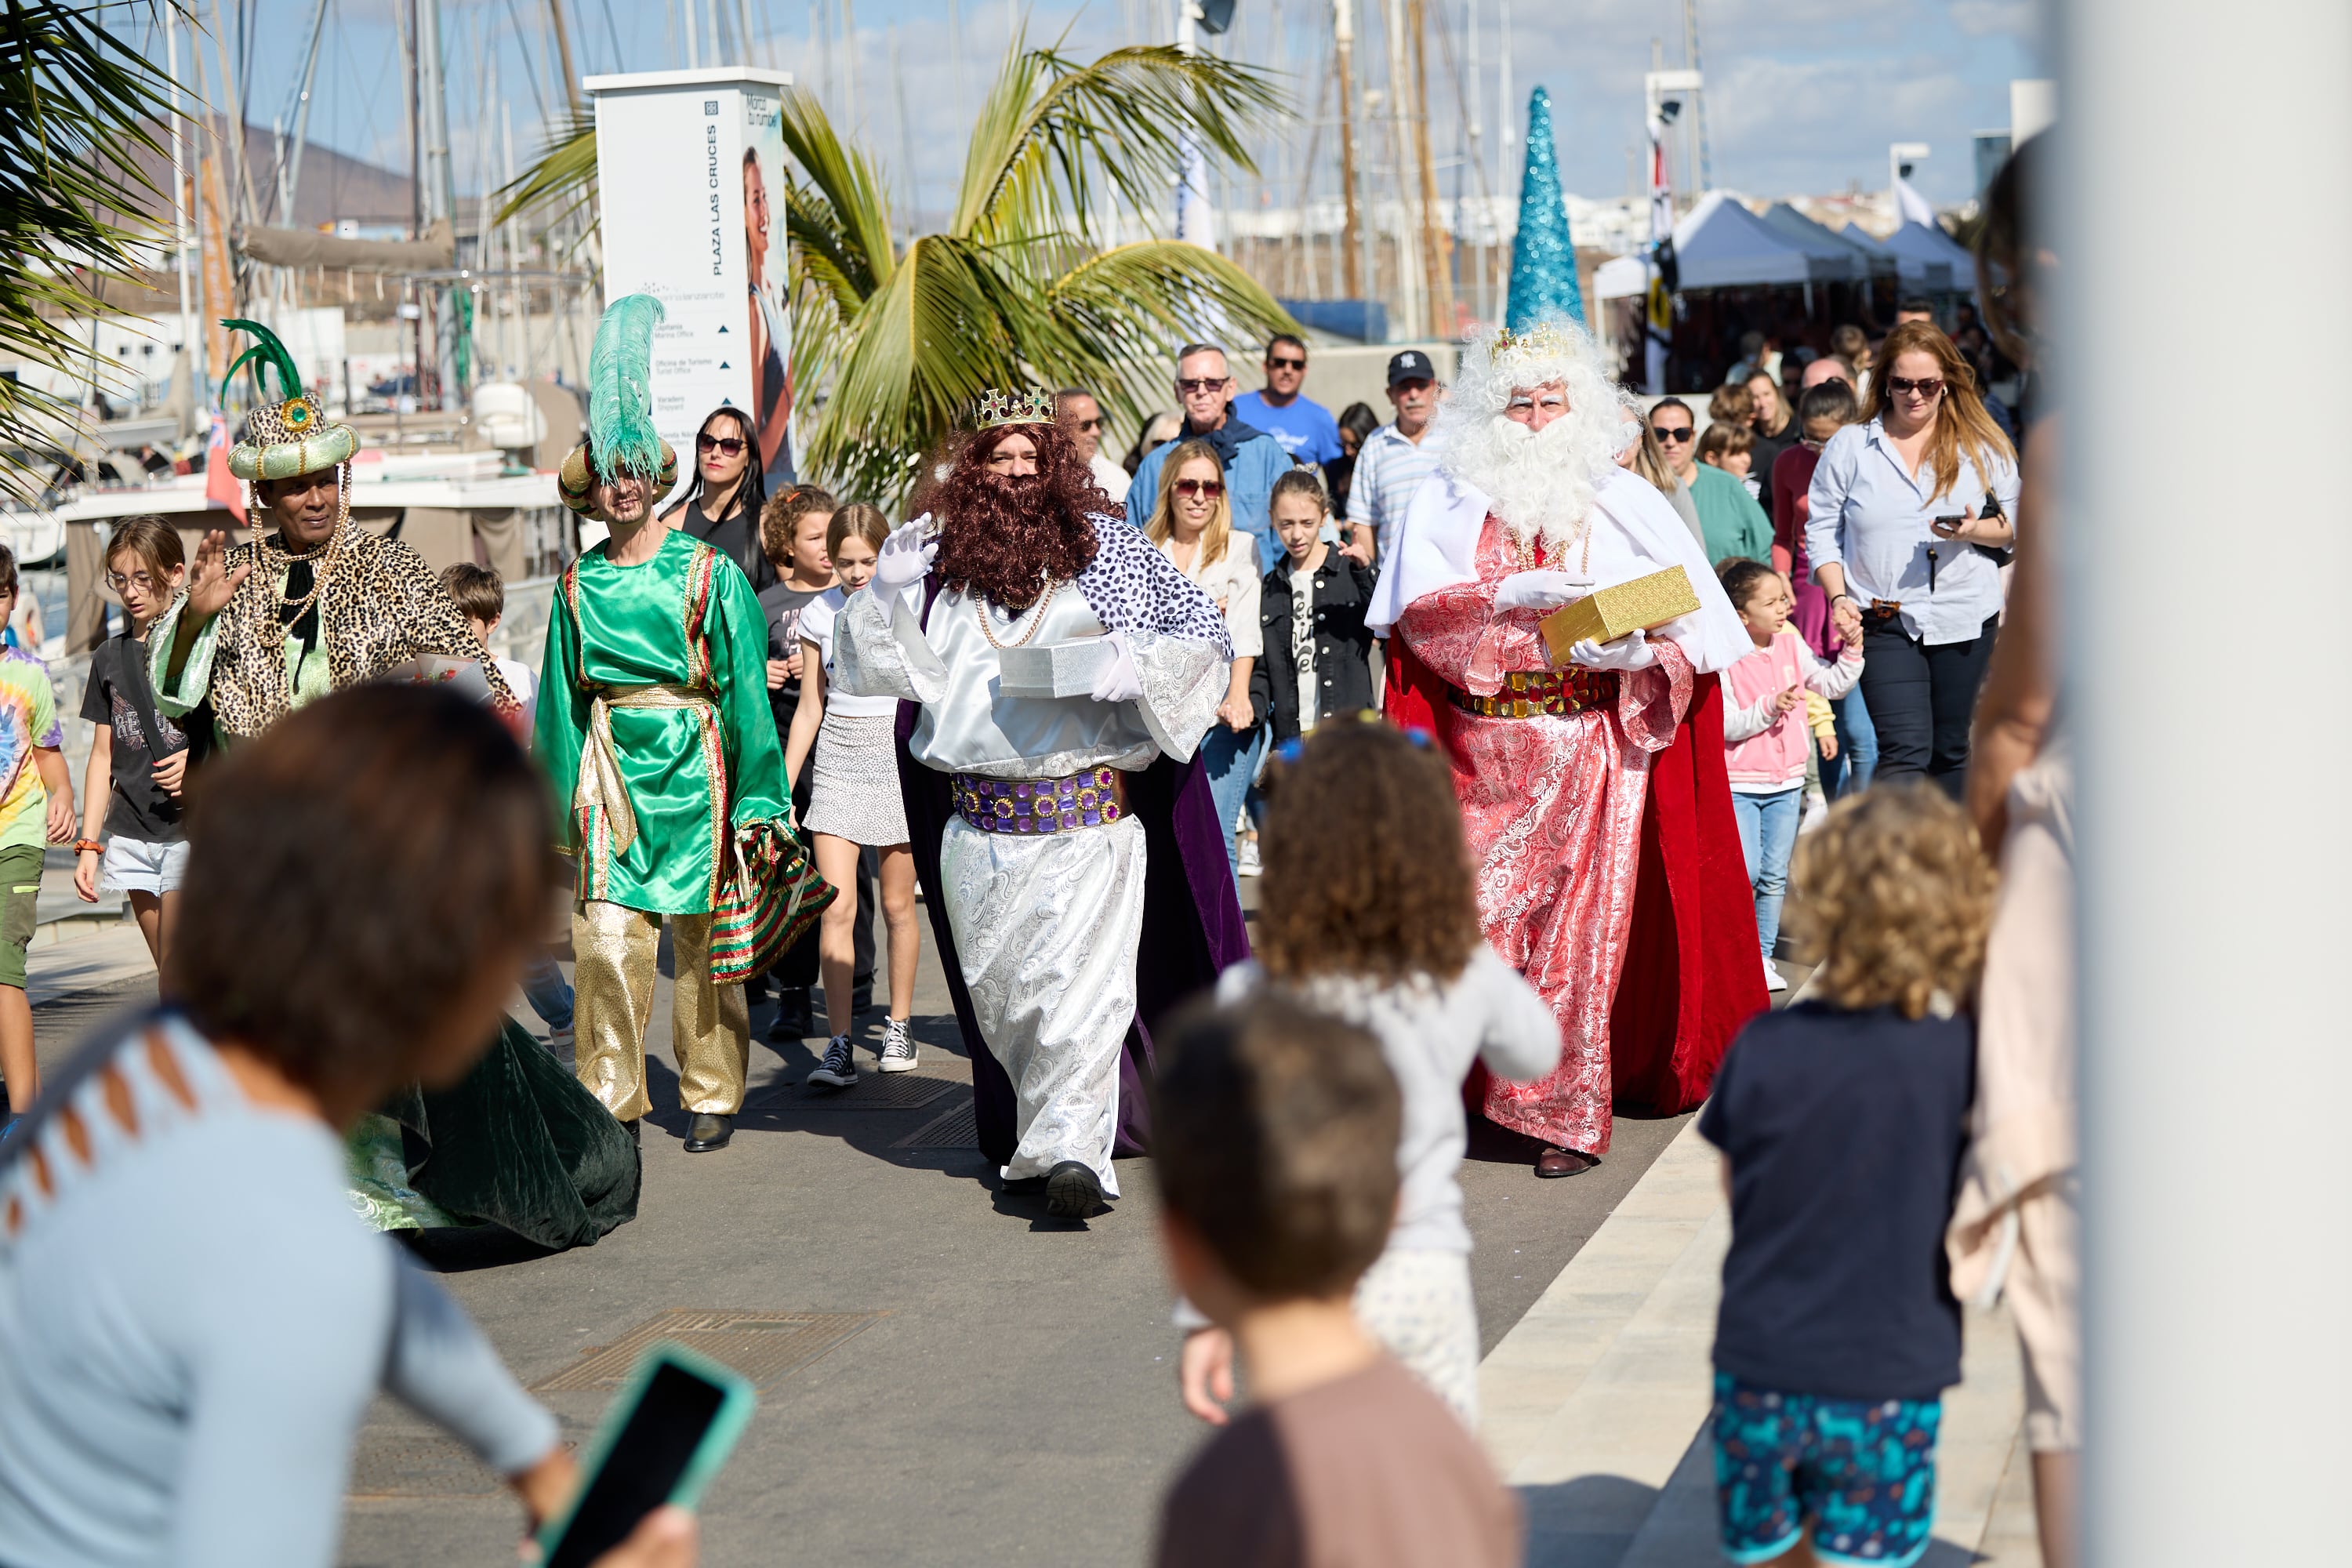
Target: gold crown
[1543,338]
[1015,408]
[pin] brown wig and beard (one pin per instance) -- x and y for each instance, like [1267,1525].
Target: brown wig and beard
[1002,536]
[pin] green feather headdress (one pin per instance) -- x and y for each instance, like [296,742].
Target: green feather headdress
[290,435]
[620,434]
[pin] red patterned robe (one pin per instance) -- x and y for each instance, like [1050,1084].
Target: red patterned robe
[1568,842]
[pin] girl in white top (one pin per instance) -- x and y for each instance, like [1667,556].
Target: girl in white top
[853,801]
[1379,924]
[1193,524]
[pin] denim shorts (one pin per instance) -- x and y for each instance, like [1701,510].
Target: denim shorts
[142,866]
[1862,1473]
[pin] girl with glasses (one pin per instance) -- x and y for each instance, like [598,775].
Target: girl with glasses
[1909,520]
[1193,524]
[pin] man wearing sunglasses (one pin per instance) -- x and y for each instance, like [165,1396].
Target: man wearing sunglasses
[1252,458]
[1304,427]
[1730,522]
[1079,414]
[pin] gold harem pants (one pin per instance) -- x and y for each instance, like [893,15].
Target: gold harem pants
[710,1024]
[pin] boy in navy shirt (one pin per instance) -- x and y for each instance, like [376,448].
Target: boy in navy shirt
[1842,1122]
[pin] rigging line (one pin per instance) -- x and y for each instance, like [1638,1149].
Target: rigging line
[1314,142]
[620,58]
[1461,95]
[538,99]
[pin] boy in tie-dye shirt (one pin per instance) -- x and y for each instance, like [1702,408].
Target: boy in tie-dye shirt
[36,809]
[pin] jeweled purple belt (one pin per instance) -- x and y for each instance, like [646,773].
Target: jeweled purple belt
[1095,798]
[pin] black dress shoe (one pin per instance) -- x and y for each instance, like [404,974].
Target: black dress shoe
[1072,1191]
[708,1132]
[634,1127]
[1556,1162]
[794,1020]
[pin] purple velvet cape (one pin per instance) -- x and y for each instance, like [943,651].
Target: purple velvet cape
[1193,928]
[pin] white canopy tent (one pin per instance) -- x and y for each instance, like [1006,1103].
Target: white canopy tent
[1720,243]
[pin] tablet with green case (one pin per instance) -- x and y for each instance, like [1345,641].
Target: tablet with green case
[662,1441]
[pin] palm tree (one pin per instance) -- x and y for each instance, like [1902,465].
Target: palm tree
[1018,289]
[76,205]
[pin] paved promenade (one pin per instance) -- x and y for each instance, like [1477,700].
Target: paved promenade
[949,1376]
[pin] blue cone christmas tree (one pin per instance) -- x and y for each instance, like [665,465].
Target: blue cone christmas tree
[1543,257]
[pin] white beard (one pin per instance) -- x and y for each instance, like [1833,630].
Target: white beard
[1542,483]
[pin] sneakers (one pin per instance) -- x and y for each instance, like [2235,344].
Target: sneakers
[1247,865]
[836,1071]
[1072,1191]
[1773,979]
[560,1043]
[897,1048]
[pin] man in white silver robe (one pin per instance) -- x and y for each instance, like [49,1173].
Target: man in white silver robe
[1042,870]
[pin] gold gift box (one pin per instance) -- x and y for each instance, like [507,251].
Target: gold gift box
[1607,614]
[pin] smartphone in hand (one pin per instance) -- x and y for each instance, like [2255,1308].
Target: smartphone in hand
[662,1442]
[1947,526]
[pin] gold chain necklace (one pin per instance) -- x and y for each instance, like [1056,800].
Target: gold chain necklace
[1526,550]
[277,557]
[979,608]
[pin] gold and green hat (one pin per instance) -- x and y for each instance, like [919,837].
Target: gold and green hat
[292,436]
[620,434]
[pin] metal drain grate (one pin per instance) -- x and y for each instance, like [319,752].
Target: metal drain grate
[957,1129]
[401,1464]
[766,1347]
[875,1091]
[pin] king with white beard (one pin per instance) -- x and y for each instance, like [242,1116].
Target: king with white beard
[1594,794]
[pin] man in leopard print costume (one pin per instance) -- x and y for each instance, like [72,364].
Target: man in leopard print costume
[312,603]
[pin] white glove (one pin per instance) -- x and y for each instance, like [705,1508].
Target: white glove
[1538,591]
[906,557]
[1631,652]
[1119,680]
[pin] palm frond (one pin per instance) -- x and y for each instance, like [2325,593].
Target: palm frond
[76,204]
[1058,141]
[1125,309]
[564,175]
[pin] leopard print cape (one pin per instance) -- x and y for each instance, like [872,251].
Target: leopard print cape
[381,607]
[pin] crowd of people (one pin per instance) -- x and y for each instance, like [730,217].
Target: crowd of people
[1519,857]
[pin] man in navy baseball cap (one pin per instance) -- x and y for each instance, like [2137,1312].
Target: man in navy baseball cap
[1397,457]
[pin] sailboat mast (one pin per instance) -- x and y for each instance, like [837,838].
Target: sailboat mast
[1351,239]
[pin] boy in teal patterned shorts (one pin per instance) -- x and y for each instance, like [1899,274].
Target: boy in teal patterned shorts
[1841,1121]
[36,808]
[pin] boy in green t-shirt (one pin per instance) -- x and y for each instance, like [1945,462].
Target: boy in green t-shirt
[35,807]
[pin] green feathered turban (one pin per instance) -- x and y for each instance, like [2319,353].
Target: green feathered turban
[291,435]
[620,434]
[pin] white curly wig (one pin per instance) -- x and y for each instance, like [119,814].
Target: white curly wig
[1542,483]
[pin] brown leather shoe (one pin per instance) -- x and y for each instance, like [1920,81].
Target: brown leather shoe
[1554,1162]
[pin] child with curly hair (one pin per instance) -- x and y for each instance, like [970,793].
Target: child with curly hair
[1841,1121]
[1381,930]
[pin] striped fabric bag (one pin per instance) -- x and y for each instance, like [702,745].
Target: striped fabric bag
[772,895]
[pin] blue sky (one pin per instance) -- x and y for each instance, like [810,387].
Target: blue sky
[1803,95]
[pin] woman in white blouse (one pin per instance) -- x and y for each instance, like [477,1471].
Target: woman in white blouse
[1193,524]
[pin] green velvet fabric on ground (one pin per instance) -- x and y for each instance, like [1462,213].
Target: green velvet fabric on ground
[517,1143]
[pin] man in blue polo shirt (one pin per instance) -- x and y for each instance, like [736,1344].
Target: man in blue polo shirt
[1304,427]
[1252,459]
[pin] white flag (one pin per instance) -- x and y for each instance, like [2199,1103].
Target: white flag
[1910,207]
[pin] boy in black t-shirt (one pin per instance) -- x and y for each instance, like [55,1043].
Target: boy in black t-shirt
[1842,1122]
[137,771]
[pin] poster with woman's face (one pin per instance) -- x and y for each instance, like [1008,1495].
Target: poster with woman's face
[766,269]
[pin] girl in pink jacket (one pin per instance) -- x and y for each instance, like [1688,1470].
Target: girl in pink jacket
[1764,727]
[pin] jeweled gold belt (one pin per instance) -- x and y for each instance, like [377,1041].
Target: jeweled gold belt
[1095,798]
[1530,693]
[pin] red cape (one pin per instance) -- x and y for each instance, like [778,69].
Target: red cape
[1694,973]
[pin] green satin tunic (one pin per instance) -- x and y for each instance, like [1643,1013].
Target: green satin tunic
[689,618]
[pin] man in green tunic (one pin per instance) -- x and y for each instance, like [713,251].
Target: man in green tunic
[655,729]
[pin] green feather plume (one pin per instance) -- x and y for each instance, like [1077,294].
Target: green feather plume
[620,434]
[268,351]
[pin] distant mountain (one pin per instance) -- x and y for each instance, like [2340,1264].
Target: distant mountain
[335,188]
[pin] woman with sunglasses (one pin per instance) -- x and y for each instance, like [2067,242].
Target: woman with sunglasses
[1908,513]
[1193,524]
[721,506]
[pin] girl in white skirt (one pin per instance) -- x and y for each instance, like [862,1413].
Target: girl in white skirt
[853,801]
[1368,910]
